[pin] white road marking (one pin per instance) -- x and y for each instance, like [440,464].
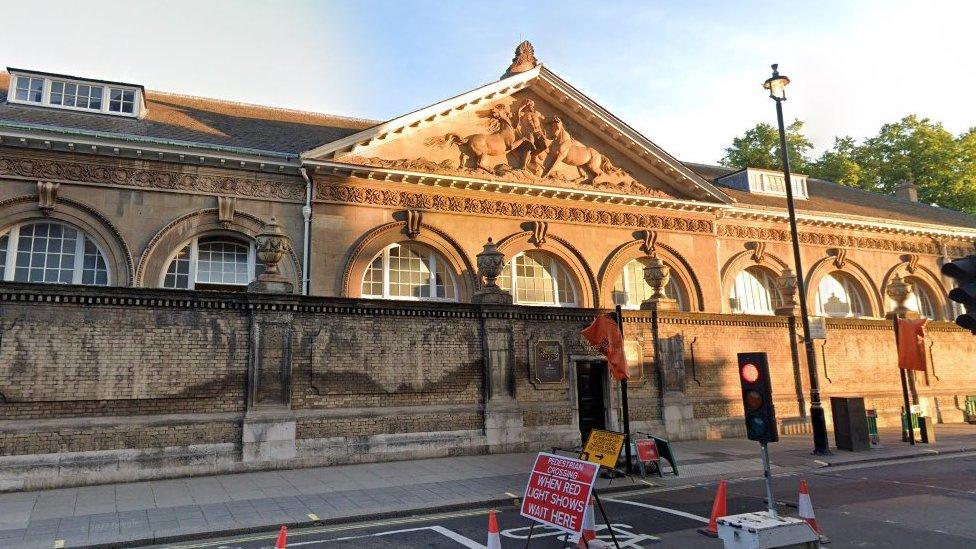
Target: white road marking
[511,495]
[58,543]
[450,534]
[625,537]
[661,509]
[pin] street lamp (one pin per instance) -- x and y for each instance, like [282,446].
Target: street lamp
[776,85]
[619,300]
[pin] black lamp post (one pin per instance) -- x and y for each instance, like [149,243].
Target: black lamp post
[776,85]
[619,300]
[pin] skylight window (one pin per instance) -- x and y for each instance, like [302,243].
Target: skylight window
[77,94]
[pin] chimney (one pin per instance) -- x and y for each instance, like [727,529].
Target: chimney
[906,191]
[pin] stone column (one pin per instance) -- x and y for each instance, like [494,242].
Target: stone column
[268,432]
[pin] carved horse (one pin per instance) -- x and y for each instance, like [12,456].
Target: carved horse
[569,151]
[500,141]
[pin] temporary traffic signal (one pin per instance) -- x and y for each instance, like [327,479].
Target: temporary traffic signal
[963,271]
[757,397]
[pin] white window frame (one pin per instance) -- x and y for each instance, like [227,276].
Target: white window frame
[556,270]
[13,236]
[194,244]
[137,104]
[15,81]
[853,292]
[772,292]
[432,256]
[680,299]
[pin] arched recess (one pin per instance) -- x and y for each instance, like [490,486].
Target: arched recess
[680,269]
[744,260]
[170,238]
[106,236]
[373,242]
[830,264]
[567,253]
[937,292]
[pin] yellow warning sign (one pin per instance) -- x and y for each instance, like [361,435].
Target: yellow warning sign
[603,447]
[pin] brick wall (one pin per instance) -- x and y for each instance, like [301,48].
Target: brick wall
[101,369]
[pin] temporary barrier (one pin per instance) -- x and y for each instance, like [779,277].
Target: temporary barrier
[494,540]
[664,449]
[282,542]
[873,437]
[589,527]
[718,510]
[805,510]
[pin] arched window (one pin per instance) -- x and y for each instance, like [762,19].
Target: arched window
[920,300]
[539,279]
[631,280]
[215,262]
[51,252]
[408,271]
[754,292]
[840,295]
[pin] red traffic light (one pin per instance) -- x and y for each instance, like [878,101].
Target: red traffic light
[749,372]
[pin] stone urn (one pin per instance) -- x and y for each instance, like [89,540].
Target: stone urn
[490,265]
[786,283]
[899,291]
[272,246]
[657,275]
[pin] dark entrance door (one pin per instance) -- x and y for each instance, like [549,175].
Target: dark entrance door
[589,388]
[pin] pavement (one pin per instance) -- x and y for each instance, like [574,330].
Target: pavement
[159,511]
[921,502]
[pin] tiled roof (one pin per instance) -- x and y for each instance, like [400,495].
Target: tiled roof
[197,120]
[174,117]
[827,197]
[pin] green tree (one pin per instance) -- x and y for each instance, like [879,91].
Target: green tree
[839,164]
[924,152]
[759,148]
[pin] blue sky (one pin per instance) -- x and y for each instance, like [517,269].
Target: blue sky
[686,74]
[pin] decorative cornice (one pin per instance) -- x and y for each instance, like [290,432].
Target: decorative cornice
[92,172]
[827,239]
[349,194]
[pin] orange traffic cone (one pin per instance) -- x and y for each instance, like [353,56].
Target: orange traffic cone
[494,541]
[282,542]
[805,511]
[589,526]
[718,510]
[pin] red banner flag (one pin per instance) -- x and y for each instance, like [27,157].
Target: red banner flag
[605,336]
[911,343]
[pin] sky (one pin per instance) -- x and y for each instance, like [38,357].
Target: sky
[686,74]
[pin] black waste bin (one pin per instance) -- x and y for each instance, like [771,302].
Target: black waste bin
[850,424]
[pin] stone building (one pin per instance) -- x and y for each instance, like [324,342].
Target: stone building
[144,332]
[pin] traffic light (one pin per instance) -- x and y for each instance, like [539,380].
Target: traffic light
[757,397]
[963,271]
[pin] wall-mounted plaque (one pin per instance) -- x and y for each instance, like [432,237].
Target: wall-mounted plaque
[635,360]
[548,361]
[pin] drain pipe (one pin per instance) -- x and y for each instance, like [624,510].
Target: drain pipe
[307,237]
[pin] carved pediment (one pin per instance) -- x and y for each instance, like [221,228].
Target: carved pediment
[520,139]
[531,129]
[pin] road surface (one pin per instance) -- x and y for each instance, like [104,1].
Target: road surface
[911,503]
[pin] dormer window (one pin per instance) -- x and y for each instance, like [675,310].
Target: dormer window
[769,182]
[30,89]
[82,96]
[79,94]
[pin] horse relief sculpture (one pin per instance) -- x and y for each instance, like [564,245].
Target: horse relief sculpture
[479,146]
[531,148]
